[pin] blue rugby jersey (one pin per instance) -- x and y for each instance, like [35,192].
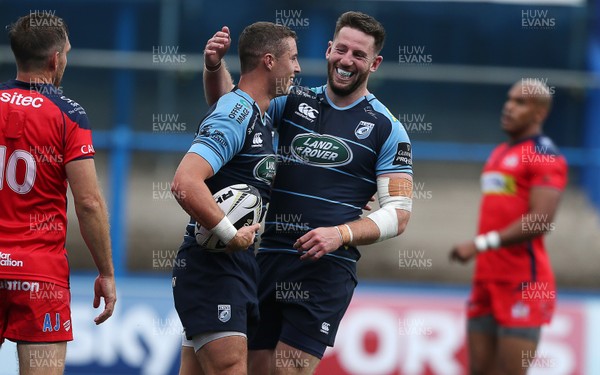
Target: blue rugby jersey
[328,162]
[238,145]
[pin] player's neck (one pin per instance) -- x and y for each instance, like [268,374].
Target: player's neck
[258,89]
[34,77]
[344,101]
[528,133]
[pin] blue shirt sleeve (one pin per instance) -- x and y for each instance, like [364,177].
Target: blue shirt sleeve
[396,153]
[222,133]
[276,108]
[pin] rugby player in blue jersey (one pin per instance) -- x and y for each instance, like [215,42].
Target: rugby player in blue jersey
[337,146]
[215,293]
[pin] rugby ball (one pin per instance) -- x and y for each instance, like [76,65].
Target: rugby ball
[241,204]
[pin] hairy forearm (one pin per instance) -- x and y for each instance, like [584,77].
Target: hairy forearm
[93,224]
[217,83]
[366,232]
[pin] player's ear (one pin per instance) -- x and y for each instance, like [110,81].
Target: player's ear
[328,52]
[269,61]
[53,61]
[376,63]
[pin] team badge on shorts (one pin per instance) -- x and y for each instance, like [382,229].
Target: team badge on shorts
[224,313]
[520,310]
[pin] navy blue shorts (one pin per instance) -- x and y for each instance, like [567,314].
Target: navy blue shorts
[216,292]
[301,302]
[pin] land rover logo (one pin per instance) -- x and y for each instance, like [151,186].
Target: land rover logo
[323,150]
[265,169]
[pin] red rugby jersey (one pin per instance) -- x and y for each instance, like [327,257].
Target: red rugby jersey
[40,132]
[508,176]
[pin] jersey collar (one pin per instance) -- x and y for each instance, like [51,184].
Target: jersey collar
[525,139]
[15,83]
[330,102]
[24,85]
[245,95]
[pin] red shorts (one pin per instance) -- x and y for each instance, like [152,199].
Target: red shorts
[513,304]
[34,311]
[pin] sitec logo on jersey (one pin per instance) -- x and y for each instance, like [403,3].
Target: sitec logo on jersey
[321,150]
[21,100]
[307,112]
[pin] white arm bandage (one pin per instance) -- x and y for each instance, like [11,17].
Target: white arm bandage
[224,230]
[490,240]
[393,194]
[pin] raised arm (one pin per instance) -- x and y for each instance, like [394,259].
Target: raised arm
[93,223]
[216,77]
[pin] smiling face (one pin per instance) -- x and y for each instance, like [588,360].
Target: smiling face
[351,57]
[286,68]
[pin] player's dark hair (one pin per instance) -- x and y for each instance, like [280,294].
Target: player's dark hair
[35,37]
[259,39]
[365,23]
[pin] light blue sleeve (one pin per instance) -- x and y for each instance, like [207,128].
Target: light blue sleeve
[276,108]
[222,133]
[395,155]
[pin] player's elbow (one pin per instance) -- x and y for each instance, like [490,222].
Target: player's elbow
[402,227]
[403,217]
[179,187]
[546,227]
[89,204]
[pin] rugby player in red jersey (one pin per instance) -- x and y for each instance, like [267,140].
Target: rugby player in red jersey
[45,141]
[513,291]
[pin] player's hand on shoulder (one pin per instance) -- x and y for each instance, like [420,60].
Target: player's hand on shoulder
[243,238]
[463,252]
[318,242]
[104,287]
[217,47]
